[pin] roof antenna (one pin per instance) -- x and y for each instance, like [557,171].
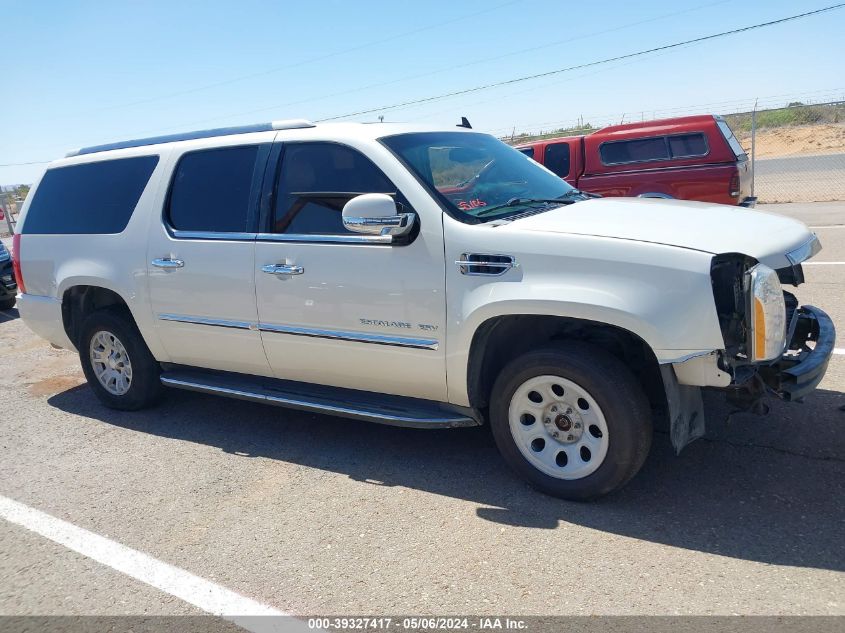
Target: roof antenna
[465,123]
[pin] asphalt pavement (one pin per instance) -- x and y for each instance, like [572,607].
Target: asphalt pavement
[309,514]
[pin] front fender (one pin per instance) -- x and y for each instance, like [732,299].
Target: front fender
[659,293]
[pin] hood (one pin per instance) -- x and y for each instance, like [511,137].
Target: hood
[701,226]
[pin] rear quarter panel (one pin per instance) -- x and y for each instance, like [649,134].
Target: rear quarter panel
[52,264]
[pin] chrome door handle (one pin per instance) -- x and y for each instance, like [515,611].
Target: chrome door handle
[168,263]
[282,269]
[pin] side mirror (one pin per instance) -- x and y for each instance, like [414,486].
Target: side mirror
[376,214]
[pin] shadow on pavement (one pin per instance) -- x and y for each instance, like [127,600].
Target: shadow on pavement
[9,315]
[720,496]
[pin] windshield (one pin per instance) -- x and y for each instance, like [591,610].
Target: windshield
[477,176]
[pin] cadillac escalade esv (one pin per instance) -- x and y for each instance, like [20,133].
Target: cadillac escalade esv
[419,277]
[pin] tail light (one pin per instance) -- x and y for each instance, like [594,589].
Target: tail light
[16,261]
[733,187]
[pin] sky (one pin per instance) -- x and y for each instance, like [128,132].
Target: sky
[79,73]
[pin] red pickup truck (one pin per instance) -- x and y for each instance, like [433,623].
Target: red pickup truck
[691,158]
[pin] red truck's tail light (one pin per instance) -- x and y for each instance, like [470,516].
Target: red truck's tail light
[733,187]
[16,261]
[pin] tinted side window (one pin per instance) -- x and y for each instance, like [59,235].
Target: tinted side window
[91,198]
[211,190]
[528,151]
[686,145]
[315,181]
[634,151]
[557,158]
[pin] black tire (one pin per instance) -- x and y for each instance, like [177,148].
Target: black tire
[7,304]
[145,388]
[613,387]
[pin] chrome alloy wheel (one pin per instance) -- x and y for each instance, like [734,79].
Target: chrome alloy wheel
[110,363]
[558,427]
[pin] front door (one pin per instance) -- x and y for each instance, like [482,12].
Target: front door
[201,258]
[347,310]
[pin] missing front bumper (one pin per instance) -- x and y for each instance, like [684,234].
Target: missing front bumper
[801,368]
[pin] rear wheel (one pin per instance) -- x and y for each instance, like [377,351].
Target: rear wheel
[571,420]
[117,363]
[7,304]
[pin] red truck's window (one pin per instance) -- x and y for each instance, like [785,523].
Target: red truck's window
[556,159]
[635,151]
[731,139]
[687,145]
[654,148]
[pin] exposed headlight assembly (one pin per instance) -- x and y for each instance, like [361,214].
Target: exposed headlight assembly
[766,314]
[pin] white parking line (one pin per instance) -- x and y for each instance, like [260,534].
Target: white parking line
[839,350]
[201,593]
[823,263]
[828,226]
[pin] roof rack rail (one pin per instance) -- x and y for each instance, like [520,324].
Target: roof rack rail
[286,124]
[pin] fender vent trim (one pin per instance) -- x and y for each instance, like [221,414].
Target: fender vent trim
[483,264]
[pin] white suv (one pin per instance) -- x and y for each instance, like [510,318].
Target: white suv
[419,277]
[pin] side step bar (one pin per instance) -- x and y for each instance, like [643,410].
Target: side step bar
[348,403]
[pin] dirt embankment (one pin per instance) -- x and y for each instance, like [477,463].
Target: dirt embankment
[825,138]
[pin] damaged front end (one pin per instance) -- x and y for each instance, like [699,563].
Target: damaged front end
[801,368]
[772,346]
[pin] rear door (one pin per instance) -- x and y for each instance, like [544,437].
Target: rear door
[200,258]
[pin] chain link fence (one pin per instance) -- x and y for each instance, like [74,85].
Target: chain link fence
[798,151]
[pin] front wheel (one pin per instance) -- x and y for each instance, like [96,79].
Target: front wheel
[7,304]
[572,420]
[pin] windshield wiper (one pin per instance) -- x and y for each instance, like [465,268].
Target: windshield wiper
[513,202]
[578,192]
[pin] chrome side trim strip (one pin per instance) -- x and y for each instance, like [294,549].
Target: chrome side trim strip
[325,239]
[182,318]
[211,235]
[357,337]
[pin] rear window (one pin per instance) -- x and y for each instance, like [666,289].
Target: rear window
[90,198]
[556,159]
[731,139]
[211,190]
[654,148]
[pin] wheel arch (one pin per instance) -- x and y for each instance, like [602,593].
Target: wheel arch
[500,339]
[80,300]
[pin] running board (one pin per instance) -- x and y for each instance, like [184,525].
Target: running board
[348,403]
